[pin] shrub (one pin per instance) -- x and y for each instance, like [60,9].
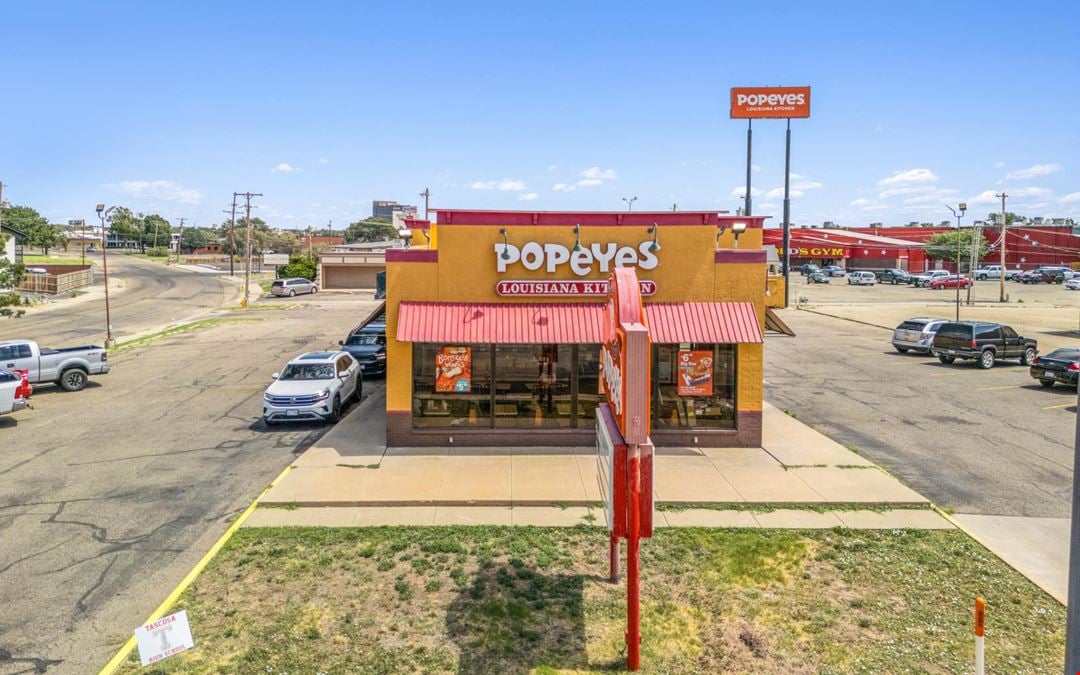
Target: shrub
[299,266]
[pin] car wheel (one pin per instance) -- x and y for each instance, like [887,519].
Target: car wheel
[335,411]
[292,293]
[73,379]
[314,290]
[986,360]
[1046,383]
[1027,356]
[902,350]
[946,359]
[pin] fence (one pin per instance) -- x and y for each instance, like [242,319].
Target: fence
[58,279]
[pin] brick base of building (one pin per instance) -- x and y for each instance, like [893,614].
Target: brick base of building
[401,433]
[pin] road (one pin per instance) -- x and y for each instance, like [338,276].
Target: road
[109,496]
[982,442]
[151,295]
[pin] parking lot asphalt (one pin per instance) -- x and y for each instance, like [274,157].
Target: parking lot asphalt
[109,496]
[982,442]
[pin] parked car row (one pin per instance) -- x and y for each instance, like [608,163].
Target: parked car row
[986,343]
[318,386]
[23,364]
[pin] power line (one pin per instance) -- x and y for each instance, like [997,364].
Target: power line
[247,246]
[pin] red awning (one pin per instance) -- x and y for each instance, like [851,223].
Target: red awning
[704,322]
[571,323]
[509,323]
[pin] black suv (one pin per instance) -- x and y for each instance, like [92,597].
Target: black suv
[893,276]
[984,342]
[368,346]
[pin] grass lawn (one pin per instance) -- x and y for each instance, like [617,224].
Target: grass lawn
[535,600]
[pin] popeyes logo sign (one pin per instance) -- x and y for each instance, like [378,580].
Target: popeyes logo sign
[624,360]
[582,262]
[766,102]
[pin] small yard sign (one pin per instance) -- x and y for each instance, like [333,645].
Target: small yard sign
[164,637]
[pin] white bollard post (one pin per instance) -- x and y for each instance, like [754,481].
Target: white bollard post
[980,625]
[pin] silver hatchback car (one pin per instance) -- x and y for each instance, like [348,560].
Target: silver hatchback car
[916,334]
[292,287]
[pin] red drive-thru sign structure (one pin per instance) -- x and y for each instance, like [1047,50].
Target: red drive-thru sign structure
[624,449]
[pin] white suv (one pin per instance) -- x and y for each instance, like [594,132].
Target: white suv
[313,386]
[862,279]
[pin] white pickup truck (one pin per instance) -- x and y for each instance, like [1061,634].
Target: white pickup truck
[994,272]
[70,367]
[9,385]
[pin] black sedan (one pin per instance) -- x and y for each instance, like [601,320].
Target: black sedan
[1061,365]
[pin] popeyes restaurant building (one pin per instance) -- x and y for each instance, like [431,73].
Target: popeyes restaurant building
[495,321]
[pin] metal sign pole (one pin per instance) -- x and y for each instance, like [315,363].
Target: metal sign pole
[787,218]
[1072,625]
[633,544]
[749,166]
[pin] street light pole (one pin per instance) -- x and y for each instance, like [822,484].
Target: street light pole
[629,202]
[959,214]
[1001,283]
[103,213]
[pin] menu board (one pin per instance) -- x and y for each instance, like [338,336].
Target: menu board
[453,369]
[695,373]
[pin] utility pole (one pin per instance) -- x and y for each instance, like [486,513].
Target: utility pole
[1001,283]
[232,236]
[426,194]
[310,248]
[247,246]
[976,238]
[179,241]
[330,226]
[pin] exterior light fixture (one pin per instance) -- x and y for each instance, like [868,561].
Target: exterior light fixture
[505,255]
[737,229]
[655,246]
[577,238]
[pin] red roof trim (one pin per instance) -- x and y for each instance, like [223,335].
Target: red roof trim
[571,323]
[458,217]
[501,323]
[734,255]
[411,255]
[703,322]
[417,224]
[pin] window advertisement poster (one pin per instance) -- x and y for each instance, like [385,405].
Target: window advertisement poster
[695,373]
[453,369]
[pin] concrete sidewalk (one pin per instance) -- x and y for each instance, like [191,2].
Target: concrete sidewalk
[350,477]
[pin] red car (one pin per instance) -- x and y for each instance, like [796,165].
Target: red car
[951,281]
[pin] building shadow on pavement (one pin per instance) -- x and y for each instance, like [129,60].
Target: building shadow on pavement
[514,619]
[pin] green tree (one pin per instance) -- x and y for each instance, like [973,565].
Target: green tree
[370,230]
[155,231]
[11,275]
[300,266]
[44,236]
[197,237]
[942,246]
[22,218]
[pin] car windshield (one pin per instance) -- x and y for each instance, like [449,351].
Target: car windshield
[366,339]
[308,371]
[912,325]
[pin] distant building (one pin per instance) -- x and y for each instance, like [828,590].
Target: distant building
[385,208]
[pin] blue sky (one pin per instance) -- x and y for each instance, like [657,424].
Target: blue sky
[170,107]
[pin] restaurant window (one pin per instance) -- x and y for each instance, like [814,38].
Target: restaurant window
[533,385]
[588,381]
[451,385]
[694,386]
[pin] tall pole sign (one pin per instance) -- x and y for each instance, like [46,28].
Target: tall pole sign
[624,449]
[786,103]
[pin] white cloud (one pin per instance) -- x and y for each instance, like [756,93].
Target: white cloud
[990,196]
[778,193]
[165,190]
[552,167]
[1070,198]
[323,160]
[563,187]
[861,201]
[1033,171]
[757,167]
[284,168]
[806,184]
[589,182]
[998,165]
[909,176]
[504,185]
[740,191]
[528,197]
[596,173]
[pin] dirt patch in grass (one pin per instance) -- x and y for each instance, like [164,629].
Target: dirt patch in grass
[532,600]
